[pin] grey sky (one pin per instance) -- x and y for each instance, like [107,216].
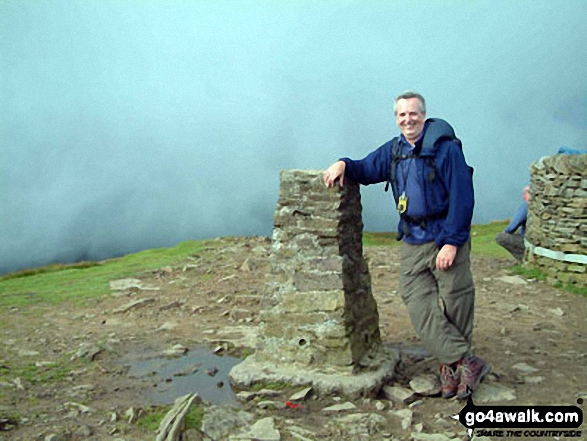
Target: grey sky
[136,124]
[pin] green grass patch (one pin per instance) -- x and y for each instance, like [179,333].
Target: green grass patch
[380,239]
[575,289]
[57,283]
[153,416]
[33,374]
[482,238]
[533,273]
[529,273]
[275,385]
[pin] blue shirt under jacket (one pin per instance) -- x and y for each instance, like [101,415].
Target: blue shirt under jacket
[450,192]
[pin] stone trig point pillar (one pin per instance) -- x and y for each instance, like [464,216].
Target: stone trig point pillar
[319,325]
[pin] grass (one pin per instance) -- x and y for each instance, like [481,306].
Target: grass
[153,416]
[272,385]
[31,373]
[380,239]
[482,236]
[57,283]
[78,282]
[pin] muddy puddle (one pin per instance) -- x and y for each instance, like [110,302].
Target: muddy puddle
[197,371]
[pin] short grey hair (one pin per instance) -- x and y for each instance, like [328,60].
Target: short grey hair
[406,96]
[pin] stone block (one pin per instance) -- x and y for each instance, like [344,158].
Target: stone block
[319,310]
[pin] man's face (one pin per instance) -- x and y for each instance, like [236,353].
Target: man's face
[410,118]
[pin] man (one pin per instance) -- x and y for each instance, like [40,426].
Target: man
[433,190]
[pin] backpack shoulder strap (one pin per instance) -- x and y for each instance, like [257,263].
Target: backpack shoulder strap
[395,158]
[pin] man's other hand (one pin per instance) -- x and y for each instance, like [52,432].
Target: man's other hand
[446,257]
[334,172]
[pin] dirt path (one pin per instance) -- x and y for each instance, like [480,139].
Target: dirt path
[76,385]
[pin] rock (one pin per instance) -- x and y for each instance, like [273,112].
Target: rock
[558,312]
[360,425]
[54,437]
[173,424]
[87,351]
[380,405]
[246,396]
[415,404]
[487,393]
[534,380]
[239,314]
[262,430]
[132,415]
[80,407]
[133,305]
[84,431]
[18,383]
[172,305]
[212,371]
[175,350]
[405,415]
[267,404]
[247,266]
[520,308]
[218,422]
[301,395]
[301,434]
[167,326]
[27,353]
[125,284]
[340,407]
[269,393]
[512,280]
[426,385]
[525,369]
[398,394]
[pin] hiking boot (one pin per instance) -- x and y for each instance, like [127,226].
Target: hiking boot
[473,370]
[449,379]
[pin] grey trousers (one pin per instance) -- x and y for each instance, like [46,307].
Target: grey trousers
[440,303]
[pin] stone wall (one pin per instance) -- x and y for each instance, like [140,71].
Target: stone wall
[556,234]
[319,322]
[319,307]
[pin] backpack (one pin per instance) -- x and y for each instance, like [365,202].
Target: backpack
[436,130]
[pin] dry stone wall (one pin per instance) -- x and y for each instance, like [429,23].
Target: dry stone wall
[556,234]
[319,322]
[319,307]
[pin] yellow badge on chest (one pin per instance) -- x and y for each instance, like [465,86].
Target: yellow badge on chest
[402,203]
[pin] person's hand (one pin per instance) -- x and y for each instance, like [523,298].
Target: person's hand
[334,172]
[446,257]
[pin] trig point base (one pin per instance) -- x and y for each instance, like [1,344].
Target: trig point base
[319,323]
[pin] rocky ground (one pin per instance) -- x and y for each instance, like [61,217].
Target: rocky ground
[88,382]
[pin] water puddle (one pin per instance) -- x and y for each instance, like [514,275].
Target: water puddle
[198,371]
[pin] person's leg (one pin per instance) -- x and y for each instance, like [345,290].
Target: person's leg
[457,292]
[419,291]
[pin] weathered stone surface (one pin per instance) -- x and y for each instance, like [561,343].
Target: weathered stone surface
[220,421]
[398,394]
[425,384]
[262,430]
[320,324]
[340,407]
[493,392]
[557,214]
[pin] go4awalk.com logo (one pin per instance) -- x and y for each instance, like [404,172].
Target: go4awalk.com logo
[521,421]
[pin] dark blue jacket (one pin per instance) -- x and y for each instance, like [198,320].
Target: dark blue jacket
[449,193]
